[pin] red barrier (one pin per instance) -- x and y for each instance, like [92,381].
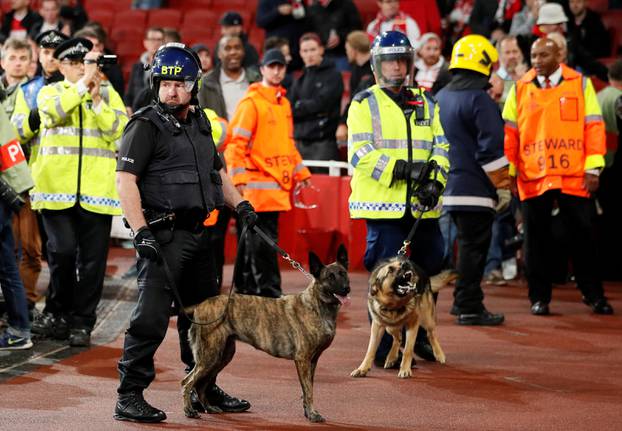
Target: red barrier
[320,229]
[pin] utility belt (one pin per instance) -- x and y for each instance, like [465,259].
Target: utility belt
[189,220]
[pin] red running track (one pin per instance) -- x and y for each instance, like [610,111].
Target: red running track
[533,373]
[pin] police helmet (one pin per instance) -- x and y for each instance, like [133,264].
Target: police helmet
[474,52]
[391,46]
[175,62]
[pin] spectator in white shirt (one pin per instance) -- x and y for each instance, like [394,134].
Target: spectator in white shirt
[391,18]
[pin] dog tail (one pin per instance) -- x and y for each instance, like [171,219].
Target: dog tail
[443,279]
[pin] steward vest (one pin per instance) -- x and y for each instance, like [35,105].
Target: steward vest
[184,180]
[553,135]
[261,153]
[378,136]
[77,154]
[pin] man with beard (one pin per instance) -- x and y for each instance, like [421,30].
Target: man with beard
[170,178]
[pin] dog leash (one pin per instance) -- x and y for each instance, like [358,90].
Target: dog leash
[171,282]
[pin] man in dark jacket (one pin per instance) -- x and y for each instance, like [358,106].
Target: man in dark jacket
[20,20]
[333,20]
[284,18]
[478,169]
[316,99]
[588,29]
[154,38]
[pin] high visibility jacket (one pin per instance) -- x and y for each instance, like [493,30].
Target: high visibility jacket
[377,138]
[27,137]
[554,135]
[261,152]
[76,161]
[219,128]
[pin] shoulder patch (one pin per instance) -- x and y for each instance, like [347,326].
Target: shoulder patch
[362,95]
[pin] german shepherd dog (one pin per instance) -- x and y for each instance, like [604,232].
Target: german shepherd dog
[297,327]
[400,295]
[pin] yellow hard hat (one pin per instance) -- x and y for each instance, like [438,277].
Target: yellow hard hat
[474,52]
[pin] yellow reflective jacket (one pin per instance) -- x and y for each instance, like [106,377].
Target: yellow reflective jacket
[219,128]
[76,161]
[377,138]
[27,137]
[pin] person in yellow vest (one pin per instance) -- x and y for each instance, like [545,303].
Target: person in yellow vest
[555,143]
[82,118]
[26,120]
[398,149]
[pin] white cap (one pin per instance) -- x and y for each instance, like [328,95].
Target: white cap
[551,13]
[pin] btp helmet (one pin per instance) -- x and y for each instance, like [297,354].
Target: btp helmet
[391,46]
[175,62]
[474,52]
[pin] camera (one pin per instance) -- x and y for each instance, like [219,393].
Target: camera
[106,59]
[10,196]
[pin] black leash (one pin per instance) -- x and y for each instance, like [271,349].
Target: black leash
[171,282]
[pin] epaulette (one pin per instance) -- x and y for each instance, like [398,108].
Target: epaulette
[429,96]
[361,95]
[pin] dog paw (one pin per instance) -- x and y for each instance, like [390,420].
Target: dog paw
[192,413]
[441,358]
[404,374]
[359,372]
[314,416]
[390,363]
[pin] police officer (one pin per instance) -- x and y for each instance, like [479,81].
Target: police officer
[478,180]
[169,179]
[399,152]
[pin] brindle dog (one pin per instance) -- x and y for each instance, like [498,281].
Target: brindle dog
[400,295]
[298,327]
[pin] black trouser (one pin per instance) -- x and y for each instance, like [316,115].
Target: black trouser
[322,149]
[385,238]
[188,258]
[474,234]
[218,234]
[577,214]
[257,265]
[77,239]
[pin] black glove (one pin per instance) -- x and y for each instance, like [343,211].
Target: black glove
[146,245]
[404,170]
[34,120]
[247,214]
[429,193]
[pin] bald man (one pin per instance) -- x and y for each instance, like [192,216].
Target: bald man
[555,143]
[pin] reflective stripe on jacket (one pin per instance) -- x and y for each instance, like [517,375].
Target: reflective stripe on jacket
[261,153]
[554,135]
[377,138]
[66,170]
[13,167]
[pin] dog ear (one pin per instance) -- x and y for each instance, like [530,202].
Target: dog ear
[315,265]
[342,256]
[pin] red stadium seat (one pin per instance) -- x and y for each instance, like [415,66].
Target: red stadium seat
[191,4]
[104,17]
[127,36]
[613,20]
[111,5]
[193,36]
[197,18]
[164,18]
[598,5]
[130,18]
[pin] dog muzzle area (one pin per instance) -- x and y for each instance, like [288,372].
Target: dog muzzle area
[405,284]
[343,300]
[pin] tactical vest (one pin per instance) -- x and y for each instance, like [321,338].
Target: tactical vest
[184,181]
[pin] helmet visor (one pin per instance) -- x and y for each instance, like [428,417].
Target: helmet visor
[393,66]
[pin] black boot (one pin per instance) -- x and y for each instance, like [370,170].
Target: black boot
[133,407]
[219,398]
[43,324]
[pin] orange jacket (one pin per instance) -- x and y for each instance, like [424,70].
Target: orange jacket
[261,152]
[552,136]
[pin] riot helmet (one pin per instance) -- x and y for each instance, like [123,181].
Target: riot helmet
[392,46]
[175,62]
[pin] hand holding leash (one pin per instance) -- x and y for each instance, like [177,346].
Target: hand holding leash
[146,245]
[247,214]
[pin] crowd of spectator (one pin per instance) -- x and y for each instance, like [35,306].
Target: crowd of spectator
[326,44]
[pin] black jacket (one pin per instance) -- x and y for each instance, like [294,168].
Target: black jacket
[136,83]
[31,19]
[592,34]
[361,79]
[341,16]
[316,102]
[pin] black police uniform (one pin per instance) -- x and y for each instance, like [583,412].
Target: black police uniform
[178,173]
